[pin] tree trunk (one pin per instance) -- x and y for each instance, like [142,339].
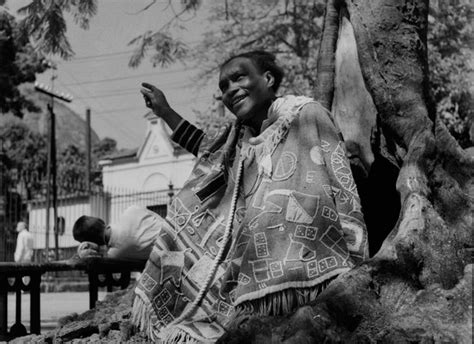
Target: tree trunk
[418,287]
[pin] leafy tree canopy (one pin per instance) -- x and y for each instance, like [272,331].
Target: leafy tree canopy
[19,63]
[45,24]
[104,147]
[101,149]
[24,160]
[289,28]
[71,166]
[450,59]
[25,154]
[71,169]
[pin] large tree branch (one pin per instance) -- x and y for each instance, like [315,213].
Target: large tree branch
[391,41]
[327,55]
[393,55]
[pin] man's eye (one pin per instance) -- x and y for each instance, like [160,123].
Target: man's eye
[223,86]
[240,77]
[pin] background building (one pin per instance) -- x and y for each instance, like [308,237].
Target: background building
[147,176]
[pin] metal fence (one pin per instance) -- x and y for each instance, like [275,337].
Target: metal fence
[108,205]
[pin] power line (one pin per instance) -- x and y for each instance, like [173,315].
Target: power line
[162,86]
[99,59]
[112,123]
[111,95]
[134,91]
[117,53]
[117,110]
[81,58]
[76,98]
[125,77]
[138,108]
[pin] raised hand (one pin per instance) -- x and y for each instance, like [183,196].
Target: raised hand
[155,100]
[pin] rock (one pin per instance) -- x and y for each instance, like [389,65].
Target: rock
[108,322]
[31,339]
[77,329]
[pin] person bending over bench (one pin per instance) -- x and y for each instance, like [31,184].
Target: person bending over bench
[130,238]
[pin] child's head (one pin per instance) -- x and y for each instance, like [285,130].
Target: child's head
[89,228]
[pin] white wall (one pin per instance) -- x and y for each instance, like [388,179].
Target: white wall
[149,176]
[153,168]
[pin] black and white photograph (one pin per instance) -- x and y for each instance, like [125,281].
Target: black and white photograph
[236,171]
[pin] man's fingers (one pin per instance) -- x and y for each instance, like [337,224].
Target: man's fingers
[148,103]
[88,245]
[147,96]
[88,253]
[148,86]
[146,92]
[88,249]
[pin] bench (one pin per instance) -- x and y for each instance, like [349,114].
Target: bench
[11,279]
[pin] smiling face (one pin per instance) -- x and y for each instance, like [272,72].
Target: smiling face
[246,91]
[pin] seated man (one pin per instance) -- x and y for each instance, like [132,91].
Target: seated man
[130,238]
[269,215]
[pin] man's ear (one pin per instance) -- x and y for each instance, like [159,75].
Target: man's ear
[269,78]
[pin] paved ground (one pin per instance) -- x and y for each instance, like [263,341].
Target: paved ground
[53,307]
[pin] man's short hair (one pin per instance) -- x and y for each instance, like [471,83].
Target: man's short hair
[89,228]
[22,225]
[264,61]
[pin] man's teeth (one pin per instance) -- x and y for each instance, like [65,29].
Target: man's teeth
[238,99]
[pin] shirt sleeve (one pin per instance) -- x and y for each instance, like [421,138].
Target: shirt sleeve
[30,242]
[188,136]
[19,247]
[133,235]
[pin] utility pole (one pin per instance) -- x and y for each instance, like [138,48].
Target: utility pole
[88,150]
[3,205]
[51,185]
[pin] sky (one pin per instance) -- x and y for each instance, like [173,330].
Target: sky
[98,77]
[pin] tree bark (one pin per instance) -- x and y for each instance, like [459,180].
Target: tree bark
[418,287]
[326,57]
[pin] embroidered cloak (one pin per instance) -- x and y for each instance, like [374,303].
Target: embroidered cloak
[297,223]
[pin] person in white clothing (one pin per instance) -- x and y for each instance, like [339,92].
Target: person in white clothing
[24,244]
[130,238]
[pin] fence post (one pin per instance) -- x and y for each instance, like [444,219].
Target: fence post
[3,203]
[88,150]
[3,306]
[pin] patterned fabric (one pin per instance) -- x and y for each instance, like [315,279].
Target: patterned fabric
[298,223]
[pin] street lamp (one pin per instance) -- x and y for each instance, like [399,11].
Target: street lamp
[170,191]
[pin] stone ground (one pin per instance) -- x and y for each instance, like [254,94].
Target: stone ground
[109,322]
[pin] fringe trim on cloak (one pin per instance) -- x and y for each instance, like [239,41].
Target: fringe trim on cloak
[141,316]
[176,335]
[144,317]
[281,302]
[278,303]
